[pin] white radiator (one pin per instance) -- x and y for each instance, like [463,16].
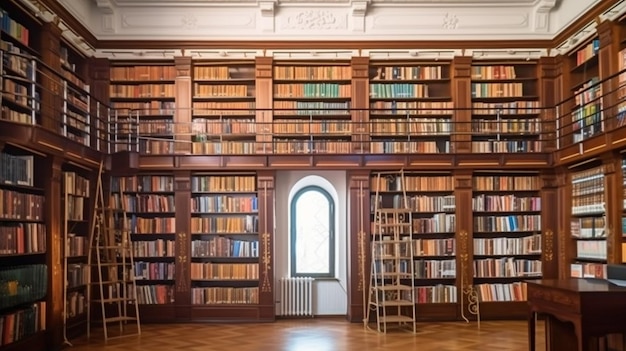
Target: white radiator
[296,296]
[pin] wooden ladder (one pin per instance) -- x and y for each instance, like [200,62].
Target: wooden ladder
[113,284]
[392,278]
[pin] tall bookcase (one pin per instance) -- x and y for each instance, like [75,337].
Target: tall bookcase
[76,230]
[411,107]
[588,223]
[585,108]
[23,251]
[505,107]
[20,97]
[311,102]
[507,243]
[76,111]
[431,198]
[223,103]
[144,95]
[148,201]
[224,243]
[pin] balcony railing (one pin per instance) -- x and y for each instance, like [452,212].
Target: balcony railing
[35,94]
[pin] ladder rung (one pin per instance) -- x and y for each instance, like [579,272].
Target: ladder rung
[395,210]
[392,303]
[115,299]
[394,288]
[119,319]
[112,282]
[112,264]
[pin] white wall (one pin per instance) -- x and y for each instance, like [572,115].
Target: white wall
[330,295]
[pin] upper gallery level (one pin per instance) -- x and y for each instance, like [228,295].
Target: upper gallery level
[511,104]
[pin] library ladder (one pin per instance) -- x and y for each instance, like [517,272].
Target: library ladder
[113,287]
[392,276]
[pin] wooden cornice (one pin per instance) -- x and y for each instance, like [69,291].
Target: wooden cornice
[58,9]
[589,16]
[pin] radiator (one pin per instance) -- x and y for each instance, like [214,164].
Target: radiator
[296,296]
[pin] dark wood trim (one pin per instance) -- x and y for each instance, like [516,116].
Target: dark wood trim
[71,21]
[583,20]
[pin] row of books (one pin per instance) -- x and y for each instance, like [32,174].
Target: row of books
[153,248]
[506,203]
[506,183]
[21,206]
[224,271]
[439,223]
[145,202]
[224,295]
[512,223]
[151,225]
[143,183]
[22,238]
[412,183]
[17,169]
[528,245]
[225,225]
[507,146]
[506,267]
[154,270]
[224,204]
[224,247]
[434,269]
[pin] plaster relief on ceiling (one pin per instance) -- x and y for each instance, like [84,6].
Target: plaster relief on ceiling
[315,20]
[163,22]
[108,24]
[542,15]
[438,22]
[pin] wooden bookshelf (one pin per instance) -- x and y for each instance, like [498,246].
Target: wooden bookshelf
[20,92]
[411,107]
[77,120]
[223,117]
[224,240]
[144,95]
[589,223]
[77,192]
[23,250]
[149,207]
[507,243]
[431,198]
[505,107]
[311,102]
[585,109]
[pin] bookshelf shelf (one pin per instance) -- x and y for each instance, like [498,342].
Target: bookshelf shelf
[224,243]
[411,107]
[588,223]
[432,202]
[149,203]
[146,93]
[507,234]
[505,107]
[76,204]
[223,107]
[311,103]
[23,250]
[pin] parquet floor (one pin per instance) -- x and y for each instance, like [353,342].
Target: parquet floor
[320,334]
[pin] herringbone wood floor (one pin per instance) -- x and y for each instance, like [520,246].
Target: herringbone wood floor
[320,334]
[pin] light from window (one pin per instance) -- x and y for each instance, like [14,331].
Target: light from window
[312,229]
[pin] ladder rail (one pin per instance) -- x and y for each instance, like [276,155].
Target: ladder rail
[110,246]
[392,279]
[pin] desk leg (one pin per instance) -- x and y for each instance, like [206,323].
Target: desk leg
[532,317]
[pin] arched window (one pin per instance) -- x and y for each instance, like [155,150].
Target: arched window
[312,233]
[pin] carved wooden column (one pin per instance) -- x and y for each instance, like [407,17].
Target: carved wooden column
[547,99]
[564,102]
[358,243]
[182,245]
[464,237]
[52,177]
[51,88]
[613,194]
[182,115]
[264,102]
[610,35]
[549,224]
[266,187]
[360,105]
[99,83]
[565,247]
[461,141]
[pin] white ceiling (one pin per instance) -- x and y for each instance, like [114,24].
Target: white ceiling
[230,21]
[326,19]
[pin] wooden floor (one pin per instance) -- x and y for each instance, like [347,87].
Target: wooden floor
[320,334]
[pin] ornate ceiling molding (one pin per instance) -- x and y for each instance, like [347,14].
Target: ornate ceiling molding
[320,19]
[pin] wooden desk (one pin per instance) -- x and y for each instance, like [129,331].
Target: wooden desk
[594,307]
